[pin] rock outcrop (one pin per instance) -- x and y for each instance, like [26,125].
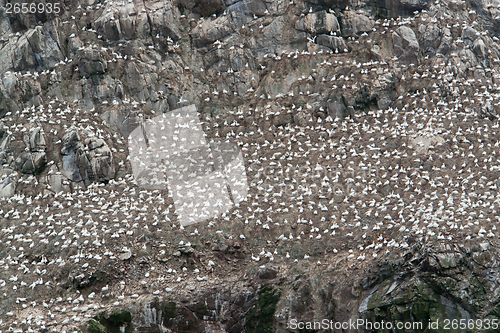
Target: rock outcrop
[318,23]
[354,24]
[406,44]
[86,159]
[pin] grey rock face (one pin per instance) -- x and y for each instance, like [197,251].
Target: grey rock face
[30,162]
[8,184]
[33,160]
[417,4]
[38,47]
[92,61]
[354,24]
[479,48]
[9,81]
[57,181]
[336,107]
[135,21]
[468,58]
[318,23]
[208,32]
[37,140]
[333,42]
[88,160]
[242,12]
[405,43]
[394,8]
[470,33]
[204,7]
[446,42]
[164,22]
[430,37]
[124,120]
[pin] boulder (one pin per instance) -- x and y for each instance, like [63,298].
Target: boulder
[479,48]
[354,24]
[336,106]
[242,12]
[38,47]
[470,33]
[30,163]
[3,130]
[318,23]
[9,81]
[376,52]
[429,37]
[8,184]
[300,118]
[37,140]
[405,43]
[125,255]
[422,143]
[267,273]
[446,41]
[332,42]
[88,160]
[4,140]
[210,31]
[92,61]
[34,158]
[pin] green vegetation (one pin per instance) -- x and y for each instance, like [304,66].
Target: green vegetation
[260,316]
[120,317]
[170,310]
[112,323]
[96,327]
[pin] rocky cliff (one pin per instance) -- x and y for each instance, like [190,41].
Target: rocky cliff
[369,132]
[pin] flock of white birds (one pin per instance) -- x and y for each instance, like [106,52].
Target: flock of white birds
[360,187]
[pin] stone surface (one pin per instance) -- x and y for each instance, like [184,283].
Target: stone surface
[7,182]
[405,43]
[354,24]
[125,256]
[85,160]
[333,42]
[422,143]
[318,23]
[470,33]
[38,47]
[92,62]
[241,12]
[479,48]
[336,107]
[209,32]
